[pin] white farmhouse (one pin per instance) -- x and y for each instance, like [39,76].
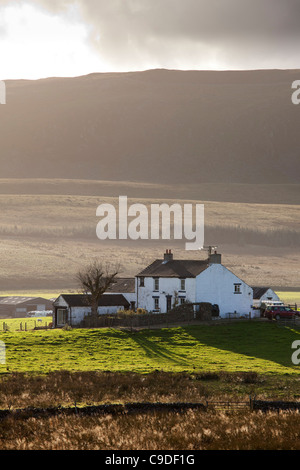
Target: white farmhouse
[168,282]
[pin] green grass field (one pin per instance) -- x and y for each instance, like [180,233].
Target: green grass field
[24,324]
[239,346]
[45,294]
[290,297]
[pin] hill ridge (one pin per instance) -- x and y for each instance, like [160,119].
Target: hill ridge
[157,126]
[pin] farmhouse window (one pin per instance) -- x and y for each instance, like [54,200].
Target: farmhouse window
[156,283]
[182,284]
[237,288]
[142,282]
[182,300]
[156,303]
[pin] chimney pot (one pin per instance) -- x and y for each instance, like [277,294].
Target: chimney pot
[168,256]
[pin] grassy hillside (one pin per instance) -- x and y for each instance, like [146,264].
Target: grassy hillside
[244,346]
[48,231]
[225,192]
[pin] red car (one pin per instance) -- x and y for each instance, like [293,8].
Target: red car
[279,311]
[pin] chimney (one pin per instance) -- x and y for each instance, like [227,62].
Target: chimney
[168,255]
[215,258]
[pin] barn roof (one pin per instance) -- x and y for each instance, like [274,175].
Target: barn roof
[106,300]
[258,292]
[17,300]
[175,268]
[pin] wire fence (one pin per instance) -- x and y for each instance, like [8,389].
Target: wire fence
[28,324]
[293,322]
[229,405]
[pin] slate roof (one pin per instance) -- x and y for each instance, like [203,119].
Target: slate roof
[175,268]
[106,300]
[16,300]
[122,285]
[258,292]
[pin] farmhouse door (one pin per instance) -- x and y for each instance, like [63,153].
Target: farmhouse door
[169,302]
[61,316]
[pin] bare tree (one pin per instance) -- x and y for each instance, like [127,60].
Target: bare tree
[94,280]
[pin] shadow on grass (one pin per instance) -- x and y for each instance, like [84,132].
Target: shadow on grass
[156,351]
[253,340]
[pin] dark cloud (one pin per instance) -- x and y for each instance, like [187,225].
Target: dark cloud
[167,33]
[243,33]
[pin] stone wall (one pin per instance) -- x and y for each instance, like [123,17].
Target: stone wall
[180,314]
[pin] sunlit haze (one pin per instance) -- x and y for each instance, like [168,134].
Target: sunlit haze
[37,45]
[43,38]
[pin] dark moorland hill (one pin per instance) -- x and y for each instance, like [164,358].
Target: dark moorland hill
[157,126]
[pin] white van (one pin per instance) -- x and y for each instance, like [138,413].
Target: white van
[40,313]
[269,303]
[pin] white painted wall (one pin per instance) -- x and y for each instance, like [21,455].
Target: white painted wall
[216,285]
[77,314]
[60,302]
[167,286]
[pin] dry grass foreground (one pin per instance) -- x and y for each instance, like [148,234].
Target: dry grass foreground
[191,430]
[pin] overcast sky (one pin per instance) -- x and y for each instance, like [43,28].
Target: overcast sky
[43,38]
